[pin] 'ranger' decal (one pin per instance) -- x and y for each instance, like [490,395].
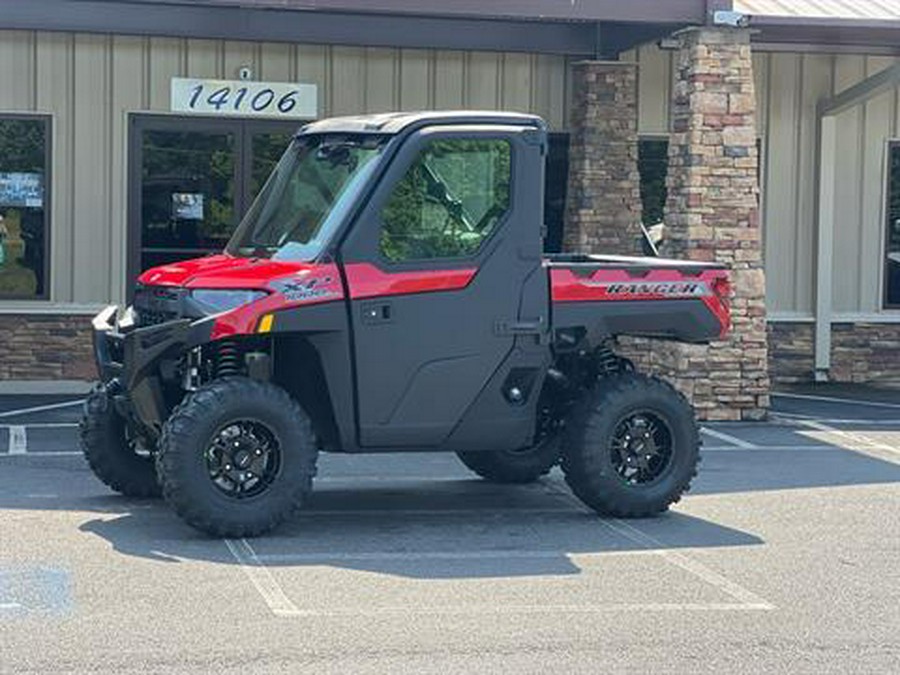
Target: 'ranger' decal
[682,289]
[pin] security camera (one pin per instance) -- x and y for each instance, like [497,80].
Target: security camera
[731,19]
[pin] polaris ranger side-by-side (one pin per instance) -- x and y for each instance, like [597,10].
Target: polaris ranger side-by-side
[387,291]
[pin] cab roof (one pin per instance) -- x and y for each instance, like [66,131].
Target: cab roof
[396,122]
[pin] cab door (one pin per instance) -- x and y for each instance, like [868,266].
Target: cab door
[435,268]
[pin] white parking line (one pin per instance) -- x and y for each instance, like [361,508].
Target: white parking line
[507,609]
[854,437]
[413,556]
[18,440]
[747,598]
[41,408]
[728,438]
[262,579]
[791,417]
[777,448]
[831,399]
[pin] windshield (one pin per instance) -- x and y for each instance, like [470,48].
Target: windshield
[304,199]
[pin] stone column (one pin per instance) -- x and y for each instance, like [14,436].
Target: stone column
[603,204]
[712,214]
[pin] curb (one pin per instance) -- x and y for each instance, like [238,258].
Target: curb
[45,387]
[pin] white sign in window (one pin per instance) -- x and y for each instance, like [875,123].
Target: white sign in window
[249,99]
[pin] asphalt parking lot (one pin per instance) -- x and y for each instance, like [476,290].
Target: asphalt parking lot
[783,558]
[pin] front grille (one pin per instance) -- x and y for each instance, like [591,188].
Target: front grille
[147,317]
[154,305]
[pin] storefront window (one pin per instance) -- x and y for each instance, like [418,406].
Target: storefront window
[24,206]
[653,165]
[892,239]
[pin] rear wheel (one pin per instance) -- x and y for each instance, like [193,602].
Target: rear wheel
[237,457]
[113,456]
[632,447]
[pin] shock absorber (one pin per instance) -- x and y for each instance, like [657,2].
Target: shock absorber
[610,363]
[228,359]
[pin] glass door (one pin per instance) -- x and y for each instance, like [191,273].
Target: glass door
[192,180]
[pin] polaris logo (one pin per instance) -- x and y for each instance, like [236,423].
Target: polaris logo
[681,289]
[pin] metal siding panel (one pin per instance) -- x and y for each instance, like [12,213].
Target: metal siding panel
[879,117]
[550,89]
[482,80]
[275,62]
[449,77]
[415,79]
[238,54]
[847,190]
[381,79]
[204,58]
[348,75]
[816,83]
[127,96]
[17,76]
[312,67]
[781,186]
[55,95]
[165,62]
[90,247]
[654,90]
[516,82]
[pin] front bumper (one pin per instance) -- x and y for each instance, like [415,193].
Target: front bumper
[132,357]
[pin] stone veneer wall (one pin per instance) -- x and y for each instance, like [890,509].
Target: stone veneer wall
[860,352]
[712,214]
[603,203]
[38,347]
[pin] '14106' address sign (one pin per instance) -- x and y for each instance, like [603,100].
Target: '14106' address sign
[239,97]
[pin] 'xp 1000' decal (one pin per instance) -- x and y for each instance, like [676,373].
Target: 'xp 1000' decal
[304,290]
[676,289]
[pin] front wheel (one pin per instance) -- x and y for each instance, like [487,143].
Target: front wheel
[237,457]
[110,451]
[632,447]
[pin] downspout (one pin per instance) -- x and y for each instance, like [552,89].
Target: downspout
[826,156]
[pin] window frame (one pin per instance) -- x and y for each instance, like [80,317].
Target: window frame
[891,145]
[47,119]
[414,263]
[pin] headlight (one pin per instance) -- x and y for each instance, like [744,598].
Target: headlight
[215,300]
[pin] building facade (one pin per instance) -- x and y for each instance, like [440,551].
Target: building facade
[122,149]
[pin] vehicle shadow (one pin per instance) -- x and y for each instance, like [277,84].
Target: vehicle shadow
[410,531]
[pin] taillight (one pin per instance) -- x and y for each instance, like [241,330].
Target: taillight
[722,289]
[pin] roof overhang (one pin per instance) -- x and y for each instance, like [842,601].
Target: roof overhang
[578,28]
[863,24]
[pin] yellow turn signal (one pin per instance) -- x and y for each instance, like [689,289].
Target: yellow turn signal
[265,323]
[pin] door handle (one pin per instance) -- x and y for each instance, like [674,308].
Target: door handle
[377,312]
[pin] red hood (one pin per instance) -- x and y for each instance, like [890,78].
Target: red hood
[221,271]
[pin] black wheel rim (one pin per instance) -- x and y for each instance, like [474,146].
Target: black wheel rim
[243,459]
[641,448]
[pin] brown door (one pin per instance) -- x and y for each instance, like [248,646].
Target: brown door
[192,180]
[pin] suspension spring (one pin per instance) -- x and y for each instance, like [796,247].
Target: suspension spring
[228,359]
[609,363]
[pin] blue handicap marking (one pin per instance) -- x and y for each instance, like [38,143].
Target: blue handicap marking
[34,589]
